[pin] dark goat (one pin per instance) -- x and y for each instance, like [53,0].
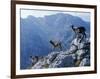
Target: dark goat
[56,44]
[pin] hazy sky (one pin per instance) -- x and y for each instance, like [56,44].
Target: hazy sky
[37,13]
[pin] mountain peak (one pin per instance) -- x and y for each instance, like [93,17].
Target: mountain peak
[37,32]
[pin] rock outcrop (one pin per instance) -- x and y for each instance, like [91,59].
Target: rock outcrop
[77,55]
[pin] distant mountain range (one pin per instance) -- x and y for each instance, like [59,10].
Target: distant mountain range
[37,32]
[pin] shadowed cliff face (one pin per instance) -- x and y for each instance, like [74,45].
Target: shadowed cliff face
[37,32]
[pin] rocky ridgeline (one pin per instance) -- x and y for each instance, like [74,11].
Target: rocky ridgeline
[67,58]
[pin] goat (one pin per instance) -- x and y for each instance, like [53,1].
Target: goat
[56,44]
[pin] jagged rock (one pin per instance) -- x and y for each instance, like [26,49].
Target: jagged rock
[77,52]
[85,62]
[62,61]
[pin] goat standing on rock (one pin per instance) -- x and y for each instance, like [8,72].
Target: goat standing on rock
[78,44]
